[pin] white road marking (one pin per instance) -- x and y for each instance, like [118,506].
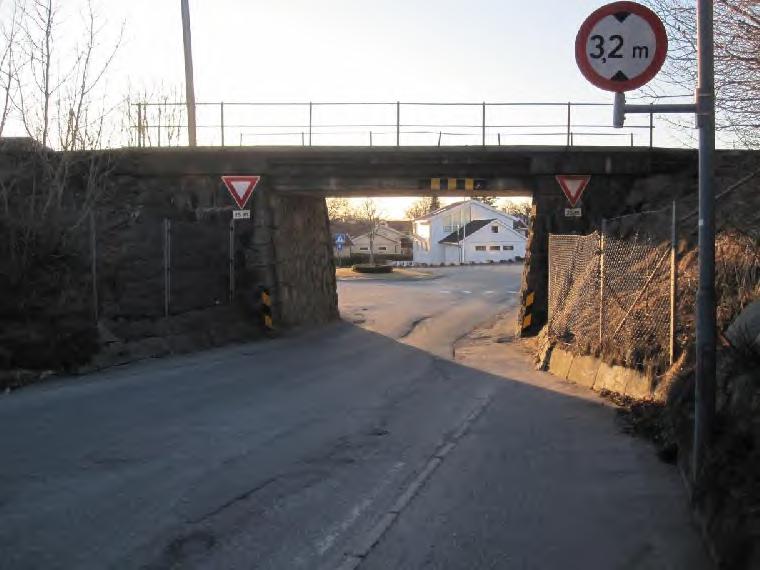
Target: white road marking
[445,292]
[467,292]
[488,292]
[328,540]
[355,556]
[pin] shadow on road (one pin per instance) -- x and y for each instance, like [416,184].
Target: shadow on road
[286,454]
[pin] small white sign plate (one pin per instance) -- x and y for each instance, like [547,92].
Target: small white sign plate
[241,214]
[573,212]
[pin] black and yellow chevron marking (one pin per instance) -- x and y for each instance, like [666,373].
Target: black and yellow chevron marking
[530,298]
[266,309]
[466,184]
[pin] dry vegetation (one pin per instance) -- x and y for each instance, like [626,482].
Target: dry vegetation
[52,89]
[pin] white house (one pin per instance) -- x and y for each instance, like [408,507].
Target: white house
[467,232]
[386,241]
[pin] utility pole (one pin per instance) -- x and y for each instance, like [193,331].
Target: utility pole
[704,403]
[189,85]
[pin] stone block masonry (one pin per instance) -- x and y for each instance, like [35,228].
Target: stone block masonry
[285,248]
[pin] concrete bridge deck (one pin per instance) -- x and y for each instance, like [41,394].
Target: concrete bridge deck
[402,171]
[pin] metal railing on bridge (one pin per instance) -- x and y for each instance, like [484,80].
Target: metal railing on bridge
[385,124]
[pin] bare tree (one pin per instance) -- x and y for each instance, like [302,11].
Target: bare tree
[8,37]
[737,60]
[418,209]
[369,213]
[518,208]
[46,198]
[56,95]
[339,209]
[490,200]
[422,207]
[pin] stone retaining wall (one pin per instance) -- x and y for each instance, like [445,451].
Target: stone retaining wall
[284,248]
[597,375]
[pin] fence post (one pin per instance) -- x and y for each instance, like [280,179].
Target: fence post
[601,281]
[673,283]
[498,138]
[398,123]
[167,264]
[484,124]
[569,135]
[651,129]
[94,267]
[221,117]
[145,126]
[631,139]
[232,260]
[311,110]
[139,124]
[158,127]
[370,138]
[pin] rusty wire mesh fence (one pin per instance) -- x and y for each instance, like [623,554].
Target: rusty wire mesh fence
[635,321]
[614,292]
[574,287]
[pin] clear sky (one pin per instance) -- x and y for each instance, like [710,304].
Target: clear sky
[358,50]
[429,50]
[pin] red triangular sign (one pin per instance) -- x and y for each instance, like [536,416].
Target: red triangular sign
[241,187]
[573,186]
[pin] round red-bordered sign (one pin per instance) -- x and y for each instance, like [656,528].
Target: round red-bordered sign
[621,46]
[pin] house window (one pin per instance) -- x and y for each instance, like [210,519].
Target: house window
[480,248]
[494,247]
[509,248]
[382,248]
[364,248]
[494,229]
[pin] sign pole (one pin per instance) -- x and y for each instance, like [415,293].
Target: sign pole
[704,396]
[636,56]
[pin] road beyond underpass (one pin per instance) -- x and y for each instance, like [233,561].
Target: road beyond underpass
[415,434]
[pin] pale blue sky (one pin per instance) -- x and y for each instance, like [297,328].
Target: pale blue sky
[358,49]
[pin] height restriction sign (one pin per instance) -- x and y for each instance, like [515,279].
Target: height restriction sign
[621,46]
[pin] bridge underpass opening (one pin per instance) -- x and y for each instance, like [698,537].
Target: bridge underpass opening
[457,264]
[297,179]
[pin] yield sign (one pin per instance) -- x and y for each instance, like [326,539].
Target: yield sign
[573,186]
[241,187]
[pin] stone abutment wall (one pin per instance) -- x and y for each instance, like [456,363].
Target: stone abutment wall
[163,242]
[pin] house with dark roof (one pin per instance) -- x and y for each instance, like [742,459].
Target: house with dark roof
[391,238]
[467,232]
[386,240]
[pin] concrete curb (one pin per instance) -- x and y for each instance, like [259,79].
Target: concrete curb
[597,375]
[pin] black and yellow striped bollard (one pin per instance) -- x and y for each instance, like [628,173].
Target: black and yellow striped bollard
[266,310]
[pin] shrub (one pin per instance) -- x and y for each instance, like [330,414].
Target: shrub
[369,268]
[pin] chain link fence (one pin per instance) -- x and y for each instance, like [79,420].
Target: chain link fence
[574,287]
[614,292]
[158,268]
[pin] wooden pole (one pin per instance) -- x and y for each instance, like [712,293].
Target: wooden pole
[189,83]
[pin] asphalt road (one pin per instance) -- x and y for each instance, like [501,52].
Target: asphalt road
[396,439]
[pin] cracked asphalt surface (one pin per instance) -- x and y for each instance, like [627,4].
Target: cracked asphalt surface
[291,453]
